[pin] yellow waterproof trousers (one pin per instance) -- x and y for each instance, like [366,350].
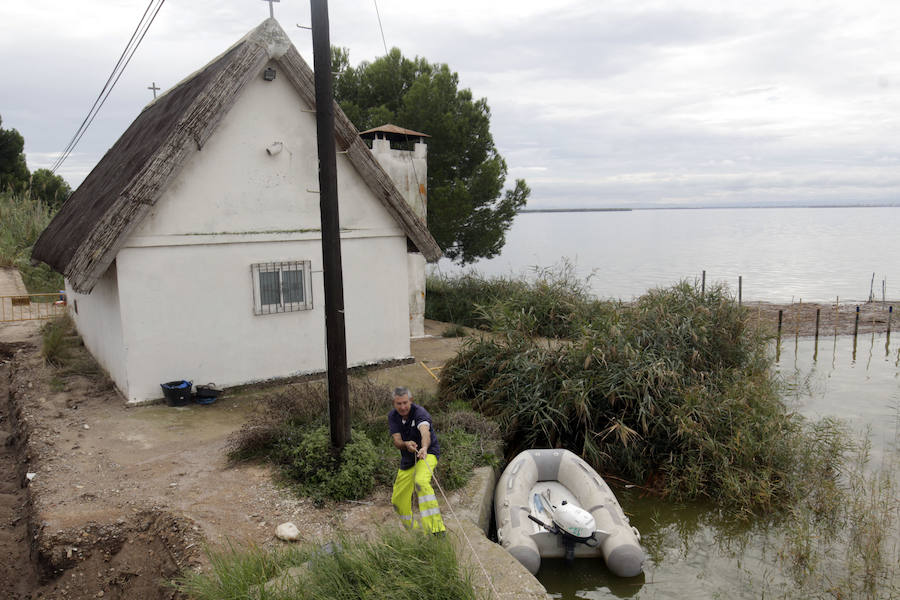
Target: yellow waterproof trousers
[419,477]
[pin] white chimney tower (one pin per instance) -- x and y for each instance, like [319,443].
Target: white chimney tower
[407,165]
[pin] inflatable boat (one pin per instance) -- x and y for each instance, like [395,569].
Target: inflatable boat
[552,504]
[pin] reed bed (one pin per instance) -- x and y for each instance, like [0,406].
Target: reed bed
[24,218]
[674,392]
[553,303]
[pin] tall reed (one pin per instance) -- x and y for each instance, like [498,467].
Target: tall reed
[553,303]
[674,391]
[23,218]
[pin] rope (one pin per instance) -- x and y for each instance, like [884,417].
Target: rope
[461,528]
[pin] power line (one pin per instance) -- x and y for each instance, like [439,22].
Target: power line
[136,38]
[378,14]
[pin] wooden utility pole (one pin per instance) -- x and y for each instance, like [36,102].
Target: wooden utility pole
[336,339]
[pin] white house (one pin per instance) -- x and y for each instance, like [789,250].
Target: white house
[193,249]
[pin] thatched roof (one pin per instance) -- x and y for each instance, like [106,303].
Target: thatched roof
[87,233]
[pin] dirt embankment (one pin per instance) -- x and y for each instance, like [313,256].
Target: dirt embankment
[43,557]
[18,574]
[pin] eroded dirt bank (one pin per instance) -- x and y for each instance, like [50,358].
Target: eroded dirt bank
[129,556]
[18,573]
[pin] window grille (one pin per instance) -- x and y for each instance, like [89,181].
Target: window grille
[281,287]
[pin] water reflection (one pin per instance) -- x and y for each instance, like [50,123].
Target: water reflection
[854,378]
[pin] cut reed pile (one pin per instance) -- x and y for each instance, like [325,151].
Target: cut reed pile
[673,391]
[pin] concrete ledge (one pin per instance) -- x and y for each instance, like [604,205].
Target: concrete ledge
[473,507]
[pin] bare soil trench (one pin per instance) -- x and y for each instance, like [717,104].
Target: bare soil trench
[119,500]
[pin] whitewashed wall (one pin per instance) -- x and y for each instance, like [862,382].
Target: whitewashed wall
[409,172]
[100,324]
[188,313]
[184,276]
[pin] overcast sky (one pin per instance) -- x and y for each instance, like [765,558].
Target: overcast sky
[594,102]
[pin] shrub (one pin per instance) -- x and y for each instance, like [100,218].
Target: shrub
[291,430]
[674,391]
[306,458]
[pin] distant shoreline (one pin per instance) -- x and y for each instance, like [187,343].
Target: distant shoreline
[614,209]
[573,210]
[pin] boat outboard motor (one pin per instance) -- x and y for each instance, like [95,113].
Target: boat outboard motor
[574,524]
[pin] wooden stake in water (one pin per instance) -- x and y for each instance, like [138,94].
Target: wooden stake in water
[799,315]
[703,285]
[856,324]
[837,310]
[740,288]
[887,340]
[816,343]
[778,339]
[890,314]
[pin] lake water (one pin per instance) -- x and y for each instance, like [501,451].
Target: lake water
[782,254]
[815,254]
[693,556]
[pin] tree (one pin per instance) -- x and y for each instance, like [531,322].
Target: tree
[13,170]
[468,210]
[50,189]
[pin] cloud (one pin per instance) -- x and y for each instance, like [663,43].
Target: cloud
[620,102]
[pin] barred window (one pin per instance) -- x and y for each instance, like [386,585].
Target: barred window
[281,287]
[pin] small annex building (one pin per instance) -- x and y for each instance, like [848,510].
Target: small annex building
[193,249]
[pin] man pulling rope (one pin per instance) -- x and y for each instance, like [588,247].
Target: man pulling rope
[414,435]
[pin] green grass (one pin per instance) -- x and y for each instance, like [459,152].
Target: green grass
[396,565]
[23,219]
[63,349]
[291,431]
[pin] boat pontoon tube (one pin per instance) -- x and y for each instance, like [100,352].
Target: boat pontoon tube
[565,473]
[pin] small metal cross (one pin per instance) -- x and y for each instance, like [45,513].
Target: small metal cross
[271,8]
[154,88]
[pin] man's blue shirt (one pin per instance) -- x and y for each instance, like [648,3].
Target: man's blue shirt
[409,431]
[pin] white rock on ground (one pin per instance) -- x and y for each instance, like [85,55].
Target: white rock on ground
[287,532]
